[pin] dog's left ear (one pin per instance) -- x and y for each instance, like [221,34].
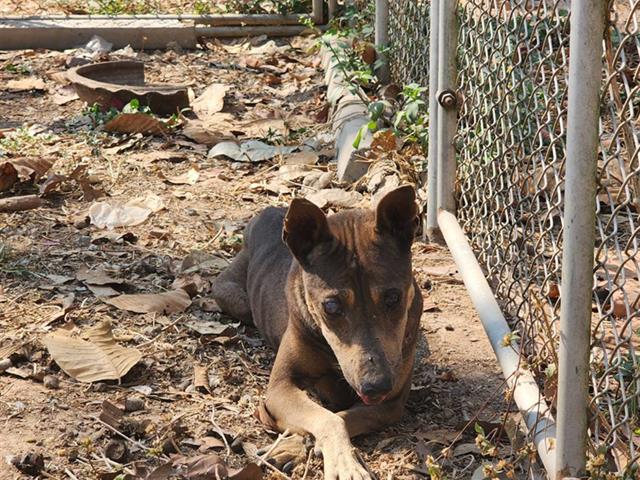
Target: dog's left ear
[305,227]
[397,214]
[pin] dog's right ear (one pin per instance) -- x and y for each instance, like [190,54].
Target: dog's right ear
[305,227]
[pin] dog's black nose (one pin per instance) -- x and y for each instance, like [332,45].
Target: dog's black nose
[377,387]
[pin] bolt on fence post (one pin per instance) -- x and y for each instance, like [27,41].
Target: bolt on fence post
[382,39]
[448,102]
[585,78]
[433,233]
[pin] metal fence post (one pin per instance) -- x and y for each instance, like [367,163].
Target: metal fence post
[317,12]
[382,39]
[433,233]
[585,77]
[333,7]
[448,102]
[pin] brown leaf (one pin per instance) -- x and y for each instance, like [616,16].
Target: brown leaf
[201,467]
[384,140]
[262,127]
[188,178]
[335,197]
[97,358]
[22,169]
[166,303]
[89,194]
[25,84]
[201,378]
[250,471]
[136,123]
[96,277]
[206,133]
[211,101]
[51,183]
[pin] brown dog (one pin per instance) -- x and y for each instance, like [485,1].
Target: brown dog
[341,307]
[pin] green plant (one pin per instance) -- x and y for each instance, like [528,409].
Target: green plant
[98,115]
[20,69]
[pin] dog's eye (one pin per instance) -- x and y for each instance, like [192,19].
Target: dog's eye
[332,306]
[392,297]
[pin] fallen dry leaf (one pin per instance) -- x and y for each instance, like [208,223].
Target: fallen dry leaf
[211,101]
[262,128]
[200,132]
[250,471]
[301,158]
[97,358]
[22,169]
[166,303]
[25,84]
[212,327]
[251,151]
[64,95]
[188,178]
[335,197]
[96,277]
[136,123]
[201,467]
[134,212]
[201,378]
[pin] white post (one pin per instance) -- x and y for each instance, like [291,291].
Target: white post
[448,102]
[431,229]
[382,38]
[585,79]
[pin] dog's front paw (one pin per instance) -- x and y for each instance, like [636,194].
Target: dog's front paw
[342,464]
[289,452]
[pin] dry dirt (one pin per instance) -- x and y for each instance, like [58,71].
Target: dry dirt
[42,250]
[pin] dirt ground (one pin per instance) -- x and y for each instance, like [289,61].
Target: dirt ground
[43,253]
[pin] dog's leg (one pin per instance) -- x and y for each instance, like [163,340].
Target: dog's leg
[292,409]
[230,289]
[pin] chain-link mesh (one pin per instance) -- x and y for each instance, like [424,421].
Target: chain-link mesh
[409,39]
[513,59]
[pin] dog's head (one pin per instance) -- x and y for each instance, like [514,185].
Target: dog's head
[358,284]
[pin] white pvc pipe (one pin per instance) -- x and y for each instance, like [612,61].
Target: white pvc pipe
[585,79]
[526,393]
[432,170]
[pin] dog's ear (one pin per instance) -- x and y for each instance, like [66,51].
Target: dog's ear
[305,227]
[397,214]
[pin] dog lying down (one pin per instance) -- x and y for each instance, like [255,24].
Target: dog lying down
[336,297]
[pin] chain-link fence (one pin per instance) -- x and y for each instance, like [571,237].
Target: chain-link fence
[513,59]
[409,35]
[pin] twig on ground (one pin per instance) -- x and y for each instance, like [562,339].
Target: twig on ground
[217,428]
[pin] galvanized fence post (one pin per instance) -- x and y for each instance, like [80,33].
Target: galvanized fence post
[448,101]
[317,12]
[382,39]
[333,6]
[433,233]
[585,77]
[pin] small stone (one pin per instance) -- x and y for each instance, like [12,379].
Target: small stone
[51,382]
[116,451]
[449,328]
[5,364]
[133,404]
[236,445]
[30,463]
